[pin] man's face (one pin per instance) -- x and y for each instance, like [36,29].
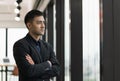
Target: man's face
[37,26]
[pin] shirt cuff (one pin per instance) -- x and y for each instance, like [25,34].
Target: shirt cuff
[48,68]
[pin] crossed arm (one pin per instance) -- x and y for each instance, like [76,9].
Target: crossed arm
[30,60]
[28,67]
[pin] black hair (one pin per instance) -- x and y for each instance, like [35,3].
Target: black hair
[31,14]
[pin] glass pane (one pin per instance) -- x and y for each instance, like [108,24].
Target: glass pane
[14,34]
[91,40]
[67,41]
[2,44]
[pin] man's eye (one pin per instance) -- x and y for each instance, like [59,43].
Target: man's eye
[40,22]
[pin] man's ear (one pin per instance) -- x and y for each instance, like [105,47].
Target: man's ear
[29,25]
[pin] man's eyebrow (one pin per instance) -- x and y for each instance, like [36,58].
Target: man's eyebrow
[40,21]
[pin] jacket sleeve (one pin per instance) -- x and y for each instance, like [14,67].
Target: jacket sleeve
[55,70]
[25,68]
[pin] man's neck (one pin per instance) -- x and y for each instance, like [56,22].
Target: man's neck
[36,37]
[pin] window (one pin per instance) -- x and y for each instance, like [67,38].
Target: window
[2,44]
[8,37]
[67,41]
[91,40]
[14,34]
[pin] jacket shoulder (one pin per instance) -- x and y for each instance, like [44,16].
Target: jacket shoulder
[20,42]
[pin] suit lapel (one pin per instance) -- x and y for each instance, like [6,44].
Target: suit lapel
[43,50]
[36,52]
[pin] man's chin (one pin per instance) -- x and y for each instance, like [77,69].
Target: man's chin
[41,34]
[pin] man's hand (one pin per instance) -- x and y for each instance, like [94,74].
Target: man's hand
[29,59]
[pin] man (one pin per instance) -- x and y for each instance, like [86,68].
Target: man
[34,57]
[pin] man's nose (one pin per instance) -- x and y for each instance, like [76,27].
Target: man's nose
[43,24]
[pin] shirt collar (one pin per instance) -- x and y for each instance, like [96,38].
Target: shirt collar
[33,40]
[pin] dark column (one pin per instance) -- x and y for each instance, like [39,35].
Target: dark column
[60,36]
[108,42]
[6,43]
[116,25]
[76,41]
[50,25]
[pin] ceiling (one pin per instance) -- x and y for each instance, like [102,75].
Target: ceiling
[7,15]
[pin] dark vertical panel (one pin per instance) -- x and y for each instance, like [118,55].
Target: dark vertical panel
[108,40]
[60,36]
[116,8]
[76,40]
[44,36]
[50,25]
[6,42]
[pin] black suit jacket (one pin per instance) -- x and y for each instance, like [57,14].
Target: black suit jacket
[41,70]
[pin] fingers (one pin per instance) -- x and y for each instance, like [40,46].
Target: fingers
[29,59]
